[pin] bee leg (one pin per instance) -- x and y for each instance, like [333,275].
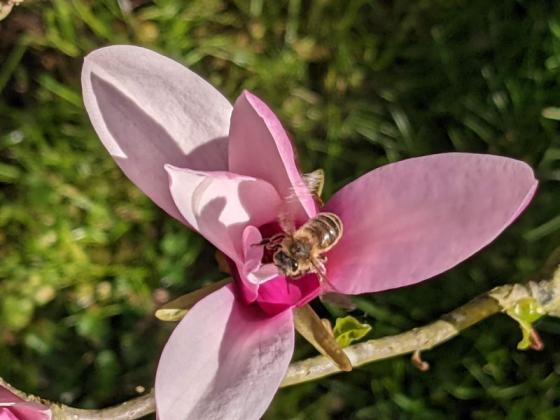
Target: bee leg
[275,241]
[301,274]
[321,270]
[319,265]
[271,243]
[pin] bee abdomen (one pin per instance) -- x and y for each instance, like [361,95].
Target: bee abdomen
[326,228]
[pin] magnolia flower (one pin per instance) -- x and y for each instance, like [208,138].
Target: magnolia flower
[13,407]
[226,172]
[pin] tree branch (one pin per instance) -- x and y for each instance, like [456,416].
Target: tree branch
[544,294]
[417,339]
[132,409]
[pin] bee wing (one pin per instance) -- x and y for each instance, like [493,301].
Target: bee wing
[315,181]
[338,300]
[333,298]
[285,217]
[285,220]
[312,185]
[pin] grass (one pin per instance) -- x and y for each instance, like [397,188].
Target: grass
[85,257]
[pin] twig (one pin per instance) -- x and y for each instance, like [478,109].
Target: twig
[417,339]
[132,409]
[545,293]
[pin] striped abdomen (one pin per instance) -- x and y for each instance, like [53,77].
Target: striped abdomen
[325,229]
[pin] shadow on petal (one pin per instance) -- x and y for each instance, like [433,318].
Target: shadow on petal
[219,205]
[142,146]
[224,360]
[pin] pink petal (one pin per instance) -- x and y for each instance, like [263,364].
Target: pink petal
[264,273]
[260,147]
[282,293]
[13,407]
[150,111]
[220,205]
[225,360]
[252,256]
[5,414]
[408,221]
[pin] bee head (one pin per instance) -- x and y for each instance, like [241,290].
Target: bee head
[288,265]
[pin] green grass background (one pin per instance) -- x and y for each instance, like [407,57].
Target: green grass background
[85,257]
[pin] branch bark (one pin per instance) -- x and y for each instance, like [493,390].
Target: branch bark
[132,409]
[545,294]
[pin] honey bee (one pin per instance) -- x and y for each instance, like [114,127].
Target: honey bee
[301,252]
[296,252]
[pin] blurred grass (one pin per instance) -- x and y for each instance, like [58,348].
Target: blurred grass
[85,257]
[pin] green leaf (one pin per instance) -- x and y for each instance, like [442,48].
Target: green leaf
[348,329]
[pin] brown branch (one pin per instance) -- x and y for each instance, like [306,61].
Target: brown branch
[545,293]
[417,339]
[132,409]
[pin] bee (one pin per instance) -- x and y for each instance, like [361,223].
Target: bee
[301,252]
[296,252]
